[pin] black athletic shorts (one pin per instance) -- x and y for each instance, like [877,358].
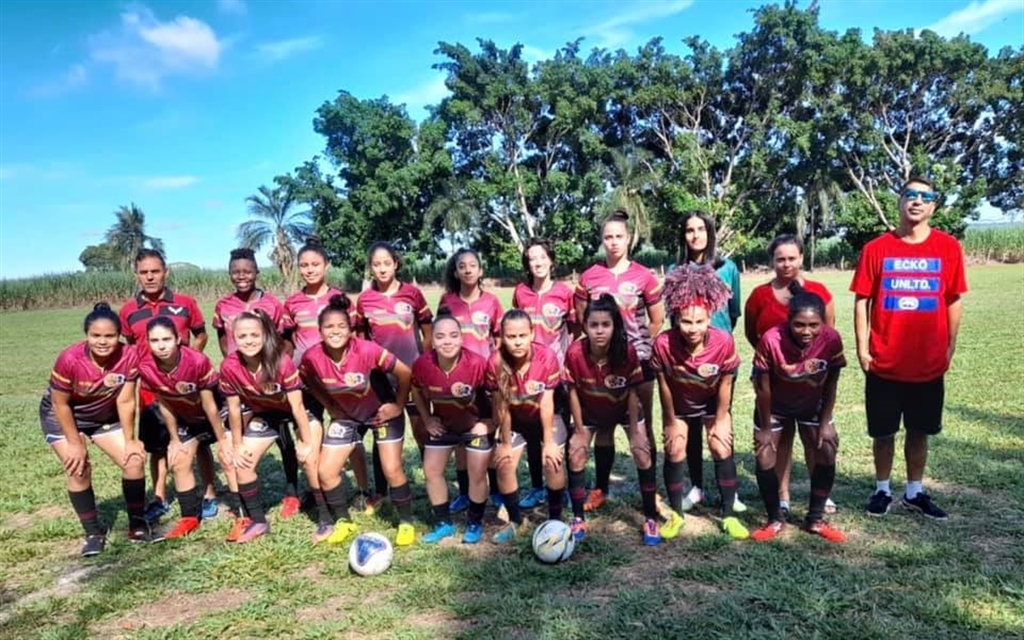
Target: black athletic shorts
[919,404]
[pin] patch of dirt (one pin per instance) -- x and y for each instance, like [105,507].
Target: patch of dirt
[937,488]
[26,520]
[333,608]
[439,621]
[67,584]
[182,608]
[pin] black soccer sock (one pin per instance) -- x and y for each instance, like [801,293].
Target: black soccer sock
[492,481]
[242,513]
[442,513]
[648,492]
[535,462]
[511,501]
[555,499]
[323,512]
[695,454]
[380,481]
[84,504]
[462,478]
[822,479]
[250,494]
[768,485]
[725,475]
[674,472]
[604,459]
[577,492]
[401,497]
[134,498]
[475,514]
[337,503]
[290,462]
[190,502]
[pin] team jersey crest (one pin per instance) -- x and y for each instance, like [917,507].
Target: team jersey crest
[185,387]
[113,380]
[708,370]
[614,382]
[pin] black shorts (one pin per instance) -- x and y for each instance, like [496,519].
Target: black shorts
[273,425]
[918,403]
[649,374]
[152,431]
[525,433]
[92,430]
[347,433]
[471,442]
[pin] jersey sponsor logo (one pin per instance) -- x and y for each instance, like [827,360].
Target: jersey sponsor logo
[708,370]
[403,308]
[481,318]
[176,311]
[551,311]
[185,387]
[815,365]
[910,284]
[354,379]
[461,390]
[910,303]
[614,382]
[113,380]
[918,265]
[534,387]
[271,388]
[627,289]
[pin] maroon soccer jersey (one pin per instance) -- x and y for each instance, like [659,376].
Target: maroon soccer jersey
[634,290]
[181,309]
[452,394]
[768,311]
[231,306]
[304,312]
[798,375]
[393,320]
[528,386]
[260,395]
[348,381]
[178,389]
[93,390]
[603,390]
[551,312]
[694,379]
[480,320]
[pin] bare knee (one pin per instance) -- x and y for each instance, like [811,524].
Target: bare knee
[675,445]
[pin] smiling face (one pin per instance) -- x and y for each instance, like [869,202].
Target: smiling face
[335,330]
[516,336]
[805,326]
[696,237]
[248,336]
[243,272]
[787,260]
[151,274]
[914,210]
[313,268]
[102,337]
[447,338]
[693,324]
[383,268]
[163,343]
[615,239]
[599,327]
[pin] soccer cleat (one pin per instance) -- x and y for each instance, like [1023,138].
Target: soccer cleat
[374,503]
[879,503]
[323,532]
[768,532]
[595,500]
[672,528]
[441,531]
[459,504]
[506,534]
[651,533]
[406,534]
[184,527]
[533,498]
[825,530]
[579,529]
[923,504]
[343,530]
[693,497]
[156,510]
[253,531]
[830,506]
[735,528]
[210,509]
[474,533]
[497,501]
[94,545]
[237,528]
[290,506]
[738,506]
[144,532]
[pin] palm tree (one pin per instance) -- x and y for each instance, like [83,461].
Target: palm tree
[631,175]
[126,237]
[275,224]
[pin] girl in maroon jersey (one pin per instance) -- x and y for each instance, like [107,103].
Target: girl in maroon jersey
[338,373]
[91,397]
[796,373]
[696,364]
[638,294]
[247,296]
[602,372]
[266,381]
[185,383]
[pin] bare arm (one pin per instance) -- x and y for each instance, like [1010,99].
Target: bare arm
[668,409]
[750,328]
[656,314]
[200,340]
[862,331]
[954,313]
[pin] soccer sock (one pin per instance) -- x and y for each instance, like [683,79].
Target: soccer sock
[290,463]
[768,485]
[535,462]
[604,459]
[401,496]
[189,501]
[725,475]
[442,513]
[511,501]
[648,491]
[380,482]
[134,498]
[242,513]
[695,454]
[492,480]
[883,485]
[462,478]
[84,504]
[577,492]
[337,503]
[555,503]
[475,515]
[250,494]
[323,513]
[674,484]
[822,479]
[914,487]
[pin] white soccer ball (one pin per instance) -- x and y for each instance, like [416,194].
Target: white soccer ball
[370,554]
[553,542]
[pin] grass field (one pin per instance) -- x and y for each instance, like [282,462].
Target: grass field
[897,577]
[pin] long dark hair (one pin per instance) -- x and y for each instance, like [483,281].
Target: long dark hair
[101,311]
[380,245]
[505,374]
[543,243]
[618,345]
[270,356]
[711,250]
[452,284]
[787,238]
[339,303]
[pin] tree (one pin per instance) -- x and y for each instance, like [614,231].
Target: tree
[275,224]
[99,257]
[127,236]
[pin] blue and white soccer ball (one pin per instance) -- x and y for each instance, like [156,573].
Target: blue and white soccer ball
[370,554]
[553,542]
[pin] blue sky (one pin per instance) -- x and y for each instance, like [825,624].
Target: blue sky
[186,108]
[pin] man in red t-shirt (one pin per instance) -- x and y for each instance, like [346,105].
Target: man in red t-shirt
[907,313]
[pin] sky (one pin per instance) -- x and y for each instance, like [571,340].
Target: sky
[186,108]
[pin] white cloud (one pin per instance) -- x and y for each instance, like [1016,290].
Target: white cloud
[417,98]
[144,50]
[48,172]
[616,31]
[76,76]
[169,182]
[232,7]
[283,49]
[976,17]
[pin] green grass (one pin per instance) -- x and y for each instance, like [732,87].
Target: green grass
[897,577]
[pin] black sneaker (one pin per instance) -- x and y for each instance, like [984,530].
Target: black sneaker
[94,545]
[923,504]
[144,532]
[879,503]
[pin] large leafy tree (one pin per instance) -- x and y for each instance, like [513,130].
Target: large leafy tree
[276,223]
[127,236]
[99,257]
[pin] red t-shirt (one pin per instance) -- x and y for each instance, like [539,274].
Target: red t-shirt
[178,389]
[348,381]
[798,375]
[262,396]
[393,320]
[181,309]
[230,306]
[528,387]
[603,391]
[304,311]
[550,311]
[480,320]
[452,394]
[694,379]
[635,289]
[910,287]
[767,311]
[93,391]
